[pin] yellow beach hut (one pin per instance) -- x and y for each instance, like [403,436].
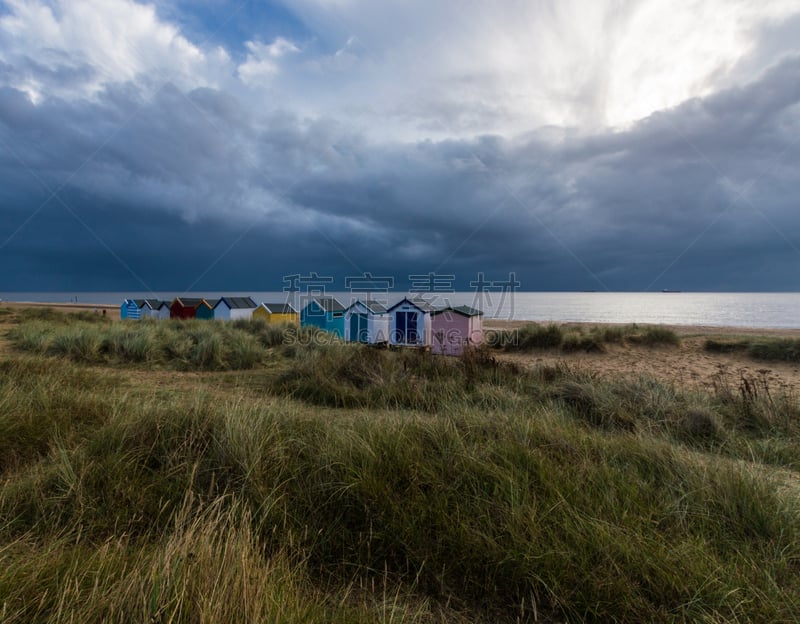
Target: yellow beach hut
[277,313]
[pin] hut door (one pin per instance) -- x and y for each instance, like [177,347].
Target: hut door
[407,327]
[363,330]
[358,328]
[411,328]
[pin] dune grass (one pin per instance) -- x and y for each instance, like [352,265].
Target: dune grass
[186,345]
[571,339]
[781,350]
[713,345]
[760,348]
[334,482]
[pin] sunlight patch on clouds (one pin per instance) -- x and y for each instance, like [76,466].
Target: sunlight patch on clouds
[119,41]
[671,52]
[451,68]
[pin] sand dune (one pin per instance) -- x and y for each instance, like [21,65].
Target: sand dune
[687,365]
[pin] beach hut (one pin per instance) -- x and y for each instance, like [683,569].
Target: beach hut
[454,328]
[153,308]
[130,310]
[326,313]
[277,313]
[190,307]
[366,321]
[232,308]
[162,311]
[410,323]
[205,310]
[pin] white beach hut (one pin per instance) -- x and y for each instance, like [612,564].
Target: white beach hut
[153,308]
[366,321]
[232,308]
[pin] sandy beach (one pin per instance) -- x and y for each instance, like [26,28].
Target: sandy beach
[688,365]
[112,311]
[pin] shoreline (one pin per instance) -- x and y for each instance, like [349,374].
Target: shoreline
[681,330]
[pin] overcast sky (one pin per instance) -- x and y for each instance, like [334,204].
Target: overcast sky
[220,145]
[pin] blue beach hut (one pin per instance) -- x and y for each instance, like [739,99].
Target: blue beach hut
[325,313]
[130,309]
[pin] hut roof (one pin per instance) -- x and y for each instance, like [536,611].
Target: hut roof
[153,304]
[190,302]
[279,308]
[372,306]
[237,303]
[375,307]
[329,304]
[463,309]
[418,303]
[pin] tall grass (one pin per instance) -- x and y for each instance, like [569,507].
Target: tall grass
[55,316]
[765,349]
[786,350]
[162,515]
[188,345]
[356,376]
[528,337]
[212,566]
[653,336]
[570,339]
[714,345]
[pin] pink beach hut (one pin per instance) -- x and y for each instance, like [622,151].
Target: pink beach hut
[454,328]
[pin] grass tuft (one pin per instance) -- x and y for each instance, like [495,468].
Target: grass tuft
[654,336]
[781,350]
[186,345]
[583,343]
[713,345]
[533,336]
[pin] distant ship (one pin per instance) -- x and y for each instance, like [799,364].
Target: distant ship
[667,290]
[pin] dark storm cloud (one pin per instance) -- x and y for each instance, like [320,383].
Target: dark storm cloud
[689,191]
[179,184]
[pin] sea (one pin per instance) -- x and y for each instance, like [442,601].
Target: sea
[728,309]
